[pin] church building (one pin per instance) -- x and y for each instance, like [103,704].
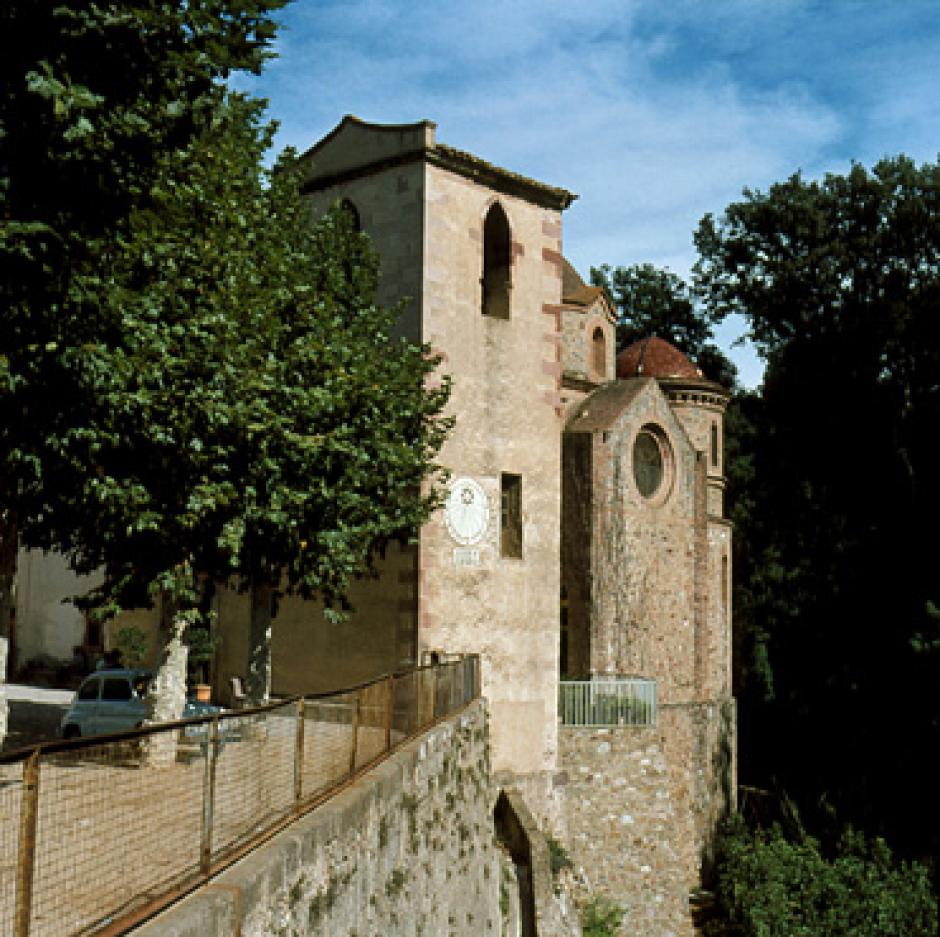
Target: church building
[582,552]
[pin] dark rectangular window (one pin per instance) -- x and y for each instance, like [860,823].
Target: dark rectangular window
[715,444]
[116,688]
[510,532]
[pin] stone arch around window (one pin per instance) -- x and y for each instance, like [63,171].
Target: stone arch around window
[496,282]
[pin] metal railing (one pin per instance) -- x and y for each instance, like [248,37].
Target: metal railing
[97,834]
[607,701]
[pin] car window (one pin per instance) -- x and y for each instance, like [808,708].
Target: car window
[116,688]
[89,690]
[140,685]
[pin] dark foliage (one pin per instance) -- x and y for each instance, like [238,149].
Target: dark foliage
[832,489]
[771,885]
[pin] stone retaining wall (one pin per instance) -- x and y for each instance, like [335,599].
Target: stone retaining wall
[407,850]
[641,806]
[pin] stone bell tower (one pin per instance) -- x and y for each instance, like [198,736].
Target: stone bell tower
[476,251]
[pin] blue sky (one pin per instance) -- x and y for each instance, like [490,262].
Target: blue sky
[653,111]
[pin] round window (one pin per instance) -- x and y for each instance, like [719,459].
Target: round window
[650,461]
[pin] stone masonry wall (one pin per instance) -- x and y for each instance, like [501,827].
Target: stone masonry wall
[643,555]
[641,807]
[408,850]
[623,826]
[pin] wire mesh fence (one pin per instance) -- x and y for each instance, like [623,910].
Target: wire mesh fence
[96,833]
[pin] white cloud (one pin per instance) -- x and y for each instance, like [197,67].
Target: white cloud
[653,114]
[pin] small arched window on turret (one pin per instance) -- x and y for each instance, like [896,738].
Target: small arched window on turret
[497,263]
[352,213]
[599,354]
[714,444]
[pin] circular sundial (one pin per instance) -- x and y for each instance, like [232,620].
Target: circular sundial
[466,512]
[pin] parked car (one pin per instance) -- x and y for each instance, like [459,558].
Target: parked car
[114,701]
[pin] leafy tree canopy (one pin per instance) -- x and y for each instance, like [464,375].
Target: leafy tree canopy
[195,379]
[839,281]
[770,884]
[93,95]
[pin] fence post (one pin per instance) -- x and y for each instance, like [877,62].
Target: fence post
[299,755]
[389,702]
[208,797]
[355,732]
[26,851]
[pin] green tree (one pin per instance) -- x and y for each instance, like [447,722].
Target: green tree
[655,301]
[92,96]
[772,885]
[216,394]
[258,422]
[839,281]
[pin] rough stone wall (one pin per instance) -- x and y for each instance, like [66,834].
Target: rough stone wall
[577,327]
[624,834]
[407,850]
[643,556]
[697,417]
[3,696]
[506,400]
[641,808]
[698,742]
[717,675]
[577,522]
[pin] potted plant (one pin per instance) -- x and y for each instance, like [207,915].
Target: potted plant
[202,644]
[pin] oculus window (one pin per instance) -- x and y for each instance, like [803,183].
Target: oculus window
[652,463]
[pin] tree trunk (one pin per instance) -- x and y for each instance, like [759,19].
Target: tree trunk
[3,695]
[8,544]
[166,695]
[258,668]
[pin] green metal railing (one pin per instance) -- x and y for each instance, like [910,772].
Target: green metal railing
[607,701]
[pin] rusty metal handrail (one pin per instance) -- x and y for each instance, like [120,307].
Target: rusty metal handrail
[462,687]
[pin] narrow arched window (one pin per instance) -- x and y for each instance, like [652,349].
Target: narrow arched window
[714,444]
[497,263]
[599,353]
[353,213]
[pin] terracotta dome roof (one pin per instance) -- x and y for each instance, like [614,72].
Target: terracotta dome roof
[653,357]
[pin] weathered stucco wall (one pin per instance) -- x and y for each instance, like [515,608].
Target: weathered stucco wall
[506,401]
[45,622]
[407,850]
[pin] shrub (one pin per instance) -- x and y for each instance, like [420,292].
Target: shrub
[132,643]
[772,886]
[600,917]
[557,856]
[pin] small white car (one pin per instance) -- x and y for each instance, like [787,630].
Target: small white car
[114,701]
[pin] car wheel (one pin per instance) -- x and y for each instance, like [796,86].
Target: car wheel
[71,732]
